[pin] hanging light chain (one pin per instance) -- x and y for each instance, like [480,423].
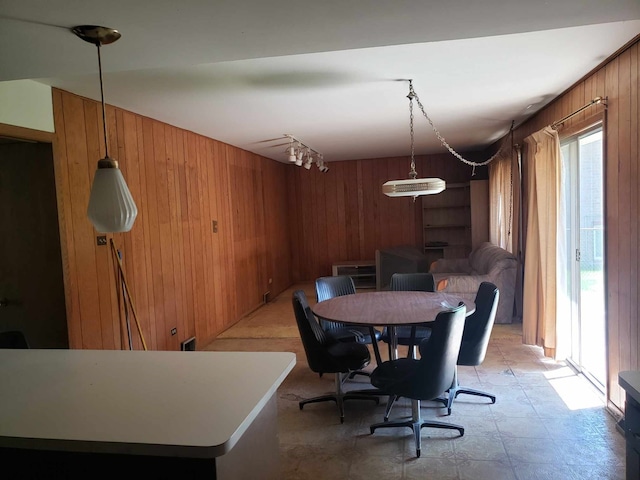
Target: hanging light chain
[444,143]
[412,173]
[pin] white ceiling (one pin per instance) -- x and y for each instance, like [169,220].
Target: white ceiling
[248,71]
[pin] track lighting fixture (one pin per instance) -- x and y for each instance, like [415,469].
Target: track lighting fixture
[303,155]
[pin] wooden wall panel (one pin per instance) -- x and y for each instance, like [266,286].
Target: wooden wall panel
[343,215]
[182,275]
[618,80]
[276,201]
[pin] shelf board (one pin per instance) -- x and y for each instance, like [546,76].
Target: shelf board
[452,225]
[432,207]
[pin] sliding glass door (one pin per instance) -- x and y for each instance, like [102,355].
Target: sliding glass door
[583,191]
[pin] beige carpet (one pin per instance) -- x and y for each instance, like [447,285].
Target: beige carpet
[273,320]
[276,320]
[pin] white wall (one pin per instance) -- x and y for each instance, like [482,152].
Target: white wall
[26,103]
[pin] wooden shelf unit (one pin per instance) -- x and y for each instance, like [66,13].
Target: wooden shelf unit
[446,221]
[363,272]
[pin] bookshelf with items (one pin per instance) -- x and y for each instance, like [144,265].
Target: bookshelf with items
[446,222]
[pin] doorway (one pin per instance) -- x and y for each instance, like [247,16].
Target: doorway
[583,192]
[31,280]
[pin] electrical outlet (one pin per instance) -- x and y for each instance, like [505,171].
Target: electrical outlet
[101,240]
[215,226]
[174,331]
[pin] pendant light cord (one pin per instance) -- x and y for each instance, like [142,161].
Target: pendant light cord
[413,95]
[412,174]
[104,113]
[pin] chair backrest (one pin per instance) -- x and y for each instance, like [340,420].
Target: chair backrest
[13,339]
[413,282]
[330,287]
[478,326]
[312,335]
[439,354]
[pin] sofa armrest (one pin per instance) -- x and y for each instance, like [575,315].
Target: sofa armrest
[451,265]
[462,283]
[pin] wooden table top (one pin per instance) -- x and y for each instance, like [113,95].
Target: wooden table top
[388,308]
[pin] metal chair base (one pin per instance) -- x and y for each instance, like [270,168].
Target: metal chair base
[340,397]
[416,424]
[456,390]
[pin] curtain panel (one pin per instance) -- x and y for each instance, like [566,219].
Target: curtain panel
[504,201]
[504,211]
[543,182]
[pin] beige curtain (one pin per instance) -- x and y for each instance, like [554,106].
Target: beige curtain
[504,201]
[504,211]
[543,236]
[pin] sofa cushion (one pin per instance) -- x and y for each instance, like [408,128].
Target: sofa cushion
[487,263]
[489,258]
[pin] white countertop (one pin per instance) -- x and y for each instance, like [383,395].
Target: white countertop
[630,382]
[192,404]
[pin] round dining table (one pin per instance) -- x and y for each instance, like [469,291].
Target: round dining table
[389,309]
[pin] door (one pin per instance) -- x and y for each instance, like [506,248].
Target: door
[31,281]
[584,211]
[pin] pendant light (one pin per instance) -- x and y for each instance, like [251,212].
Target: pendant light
[111,206]
[414,186]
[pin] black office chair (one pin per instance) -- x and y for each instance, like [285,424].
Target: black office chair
[475,339]
[427,378]
[410,282]
[330,287]
[325,354]
[13,339]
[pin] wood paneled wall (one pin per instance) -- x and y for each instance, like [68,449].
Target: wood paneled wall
[343,215]
[618,80]
[182,274]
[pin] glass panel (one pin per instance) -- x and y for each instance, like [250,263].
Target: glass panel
[582,192]
[592,290]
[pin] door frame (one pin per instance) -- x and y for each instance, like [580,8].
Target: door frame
[588,123]
[28,134]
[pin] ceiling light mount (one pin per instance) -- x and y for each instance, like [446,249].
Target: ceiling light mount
[111,207]
[96,35]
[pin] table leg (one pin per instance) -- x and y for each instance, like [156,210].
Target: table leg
[374,342]
[412,342]
[393,342]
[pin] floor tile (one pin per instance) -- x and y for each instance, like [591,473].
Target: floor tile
[534,431]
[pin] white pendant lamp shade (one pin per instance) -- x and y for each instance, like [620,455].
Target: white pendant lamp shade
[111,206]
[413,187]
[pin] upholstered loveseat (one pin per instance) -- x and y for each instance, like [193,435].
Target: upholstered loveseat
[487,263]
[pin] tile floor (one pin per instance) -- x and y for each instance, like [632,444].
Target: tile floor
[547,423]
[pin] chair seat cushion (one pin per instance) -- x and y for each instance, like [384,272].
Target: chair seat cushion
[403,335]
[392,374]
[355,333]
[348,356]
